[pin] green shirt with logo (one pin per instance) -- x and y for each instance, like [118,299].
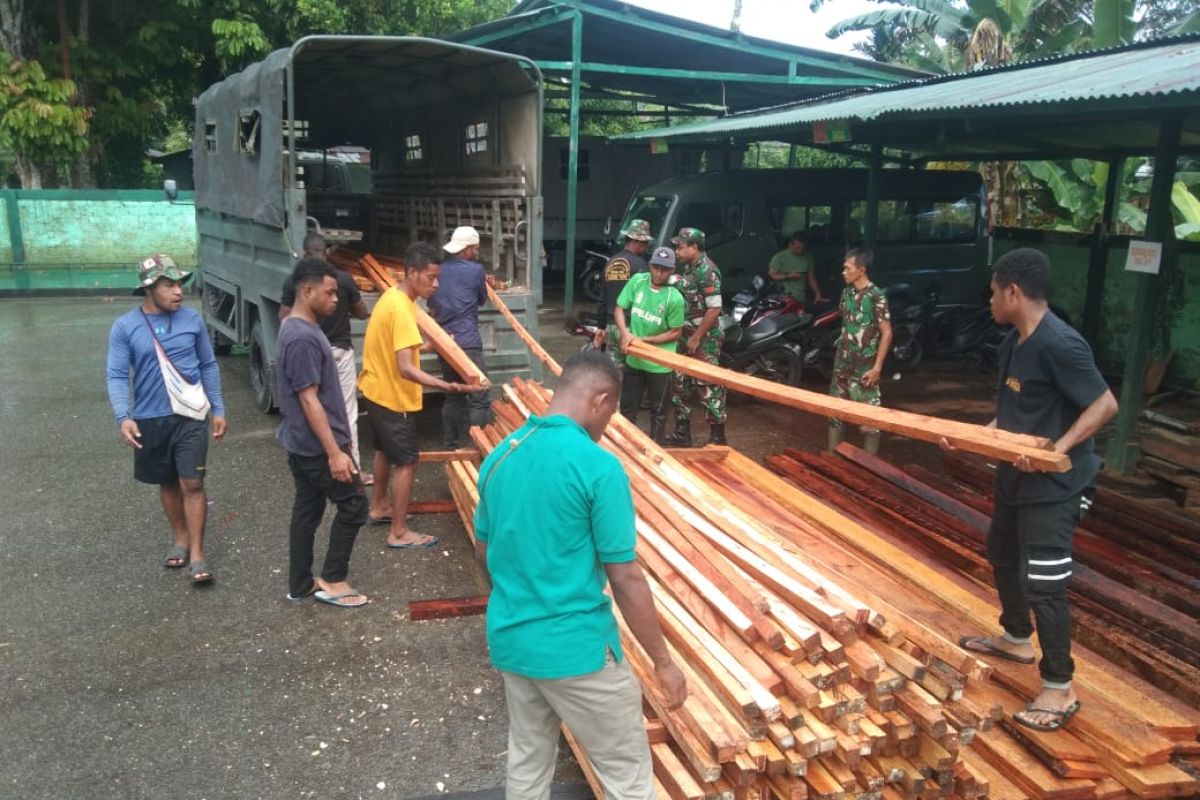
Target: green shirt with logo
[554,509]
[650,311]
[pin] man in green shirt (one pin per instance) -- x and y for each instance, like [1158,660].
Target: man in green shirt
[651,311]
[554,524]
[793,267]
[863,347]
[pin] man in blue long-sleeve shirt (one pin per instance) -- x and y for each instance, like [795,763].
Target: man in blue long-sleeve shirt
[462,289]
[169,449]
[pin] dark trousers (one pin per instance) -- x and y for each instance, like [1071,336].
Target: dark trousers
[1029,548]
[655,385]
[314,487]
[461,412]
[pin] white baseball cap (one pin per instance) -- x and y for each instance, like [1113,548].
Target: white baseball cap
[461,238]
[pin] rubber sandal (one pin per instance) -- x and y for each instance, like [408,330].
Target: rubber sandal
[176,553]
[296,598]
[385,520]
[200,574]
[338,599]
[430,542]
[1060,717]
[983,646]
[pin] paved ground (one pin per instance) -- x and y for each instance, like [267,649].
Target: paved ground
[119,680]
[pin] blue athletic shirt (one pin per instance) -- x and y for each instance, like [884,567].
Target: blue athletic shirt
[184,337]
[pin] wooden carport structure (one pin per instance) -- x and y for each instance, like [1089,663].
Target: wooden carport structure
[1134,101]
[606,49]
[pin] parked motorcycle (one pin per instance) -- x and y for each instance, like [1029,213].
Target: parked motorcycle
[585,324]
[768,333]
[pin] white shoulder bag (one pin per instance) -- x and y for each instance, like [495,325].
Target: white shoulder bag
[187,399]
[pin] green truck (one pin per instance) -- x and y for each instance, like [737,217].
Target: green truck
[452,135]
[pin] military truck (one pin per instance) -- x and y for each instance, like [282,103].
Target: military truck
[454,135]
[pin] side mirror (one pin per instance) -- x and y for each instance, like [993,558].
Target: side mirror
[171,190]
[607,226]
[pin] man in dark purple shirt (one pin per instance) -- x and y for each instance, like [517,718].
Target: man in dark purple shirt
[462,289]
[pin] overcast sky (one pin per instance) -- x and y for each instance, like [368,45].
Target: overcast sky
[784,20]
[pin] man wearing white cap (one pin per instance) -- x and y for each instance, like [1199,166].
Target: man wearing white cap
[462,289]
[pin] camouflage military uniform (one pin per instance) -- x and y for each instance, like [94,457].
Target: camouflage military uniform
[698,283]
[862,311]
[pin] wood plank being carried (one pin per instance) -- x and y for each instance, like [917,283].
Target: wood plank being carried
[971,438]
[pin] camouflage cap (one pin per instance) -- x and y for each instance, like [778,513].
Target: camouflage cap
[638,230]
[158,266]
[689,236]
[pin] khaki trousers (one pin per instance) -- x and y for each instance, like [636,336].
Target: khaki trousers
[603,710]
[347,372]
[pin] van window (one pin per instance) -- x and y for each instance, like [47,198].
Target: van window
[653,209]
[918,220]
[721,222]
[816,221]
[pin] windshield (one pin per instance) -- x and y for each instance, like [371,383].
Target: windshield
[652,208]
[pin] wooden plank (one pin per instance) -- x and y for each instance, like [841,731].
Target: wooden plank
[447,608]
[970,438]
[448,455]
[431,507]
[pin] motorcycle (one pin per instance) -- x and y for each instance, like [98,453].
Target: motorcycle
[591,279]
[766,331]
[585,324]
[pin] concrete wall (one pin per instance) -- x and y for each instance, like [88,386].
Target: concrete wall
[1069,255]
[64,239]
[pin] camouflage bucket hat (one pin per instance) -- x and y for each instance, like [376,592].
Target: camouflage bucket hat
[689,236]
[638,230]
[159,266]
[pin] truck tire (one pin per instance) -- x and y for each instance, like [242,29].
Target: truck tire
[260,371]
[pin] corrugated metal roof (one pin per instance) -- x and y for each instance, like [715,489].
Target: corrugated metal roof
[1139,72]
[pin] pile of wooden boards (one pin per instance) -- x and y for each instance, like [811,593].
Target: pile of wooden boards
[373,275]
[1169,436]
[821,653]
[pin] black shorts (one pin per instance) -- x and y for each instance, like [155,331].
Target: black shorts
[395,434]
[172,447]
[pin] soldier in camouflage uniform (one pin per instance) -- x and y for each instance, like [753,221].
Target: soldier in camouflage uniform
[699,280]
[617,272]
[866,339]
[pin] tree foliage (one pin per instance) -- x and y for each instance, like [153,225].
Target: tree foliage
[136,66]
[38,121]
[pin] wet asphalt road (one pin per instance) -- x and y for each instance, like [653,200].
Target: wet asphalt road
[121,680]
[118,679]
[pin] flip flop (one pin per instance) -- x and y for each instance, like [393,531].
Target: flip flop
[384,520]
[430,542]
[200,574]
[296,598]
[338,600]
[1060,717]
[982,645]
[177,557]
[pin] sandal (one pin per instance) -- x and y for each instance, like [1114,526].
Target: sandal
[199,572]
[339,600]
[984,646]
[177,557]
[1060,717]
[429,541]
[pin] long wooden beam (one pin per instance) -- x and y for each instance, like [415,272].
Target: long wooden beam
[964,436]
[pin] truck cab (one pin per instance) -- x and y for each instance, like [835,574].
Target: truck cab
[375,142]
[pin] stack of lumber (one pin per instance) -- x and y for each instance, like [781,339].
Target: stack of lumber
[821,654]
[364,273]
[1170,440]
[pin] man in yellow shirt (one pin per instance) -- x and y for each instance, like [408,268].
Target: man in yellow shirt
[391,382]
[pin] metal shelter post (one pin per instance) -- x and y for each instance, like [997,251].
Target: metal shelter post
[573,154]
[1093,303]
[871,221]
[1123,453]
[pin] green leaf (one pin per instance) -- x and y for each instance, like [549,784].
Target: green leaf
[1185,203]
[1113,23]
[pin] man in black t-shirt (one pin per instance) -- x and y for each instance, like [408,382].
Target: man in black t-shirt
[617,272]
[337,330]
[315,431]
[1049,386]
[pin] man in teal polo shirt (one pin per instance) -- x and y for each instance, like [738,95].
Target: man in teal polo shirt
[555,520]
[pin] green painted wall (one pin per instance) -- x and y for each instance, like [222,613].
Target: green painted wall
[1069,255]
[89,239]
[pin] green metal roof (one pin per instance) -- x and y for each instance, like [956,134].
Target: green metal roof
[672,60]
[1103,103]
